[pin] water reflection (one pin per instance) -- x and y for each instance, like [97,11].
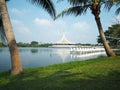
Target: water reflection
[22,50]
[35,57]
[85,56]
[34,51]
[1,50]
[63,53]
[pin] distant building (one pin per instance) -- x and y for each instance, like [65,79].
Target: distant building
[64,42]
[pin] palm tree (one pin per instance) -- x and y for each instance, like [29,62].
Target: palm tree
[45,4]
[7,29]
[80,7]
[118,5]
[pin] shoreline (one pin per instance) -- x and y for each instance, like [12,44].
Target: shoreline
[97,74]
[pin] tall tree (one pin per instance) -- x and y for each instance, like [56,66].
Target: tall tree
[80,7]
[7,28]
[118,5]
[112,35]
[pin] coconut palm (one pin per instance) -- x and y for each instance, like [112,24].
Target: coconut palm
[80,7]
[118,9]
[45,4]
[7,29]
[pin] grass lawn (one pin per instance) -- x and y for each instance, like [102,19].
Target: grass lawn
[95,74]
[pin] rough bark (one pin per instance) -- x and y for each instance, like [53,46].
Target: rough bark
[95,8]
[108,49]
[15,58]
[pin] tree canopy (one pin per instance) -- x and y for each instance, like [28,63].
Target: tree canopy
[112,35]
[80,7]
[118,9]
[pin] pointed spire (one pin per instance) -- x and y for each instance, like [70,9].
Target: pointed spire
[63,37]
[64,40]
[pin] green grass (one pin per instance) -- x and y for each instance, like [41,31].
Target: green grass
[96,74]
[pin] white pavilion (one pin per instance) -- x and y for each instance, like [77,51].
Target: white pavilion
[64,42]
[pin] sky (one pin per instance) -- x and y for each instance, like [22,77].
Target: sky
[33,23]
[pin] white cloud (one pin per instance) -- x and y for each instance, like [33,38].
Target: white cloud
[81,26]
[48,23]
[75,32]
[117,19]
[22,32]
[46,30]
[18,11]
[42,22]
[19,27]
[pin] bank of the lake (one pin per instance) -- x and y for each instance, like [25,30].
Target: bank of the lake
[95,74]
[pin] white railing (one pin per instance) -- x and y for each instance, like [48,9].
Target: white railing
[87,49]
[88,55]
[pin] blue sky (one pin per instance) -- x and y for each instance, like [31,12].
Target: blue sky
[32,23]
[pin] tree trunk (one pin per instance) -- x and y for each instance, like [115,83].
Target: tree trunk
[15,58]
[108,50]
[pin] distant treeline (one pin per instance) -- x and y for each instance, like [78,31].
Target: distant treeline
[2,45]
[36,44]
[32,44]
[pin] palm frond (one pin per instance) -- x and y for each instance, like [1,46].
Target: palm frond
[78,10]
[118,7]
[59,0]
[118,4]
[79,2]
[2,33]
[108,5]
[117,11]
[7,0]
[46,4]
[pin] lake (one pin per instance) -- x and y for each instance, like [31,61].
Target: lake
[35,57]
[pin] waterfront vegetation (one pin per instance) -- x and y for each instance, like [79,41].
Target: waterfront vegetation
[96,74]
[112,35]
[33,44]
[37,44]
[2,45]
[21,44]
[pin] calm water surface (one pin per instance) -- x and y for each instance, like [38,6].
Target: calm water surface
[35,57]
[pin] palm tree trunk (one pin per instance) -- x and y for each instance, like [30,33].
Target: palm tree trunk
[15,58]
[108,50]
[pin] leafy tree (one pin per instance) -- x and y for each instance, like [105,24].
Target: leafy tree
[80,7]
[21,44]
[112,35]
[1,44]
[45,45]
[7,28]
[34,44]
[118,5]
